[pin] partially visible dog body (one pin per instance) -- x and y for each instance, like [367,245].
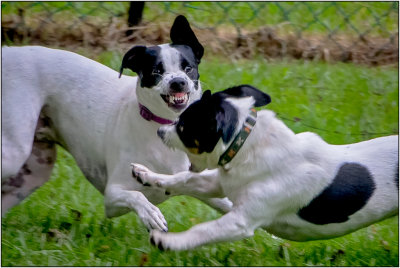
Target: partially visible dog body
[53,97]
[295,186]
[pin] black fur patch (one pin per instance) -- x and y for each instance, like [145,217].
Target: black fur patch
[146,62]
[189,63]
[348,193]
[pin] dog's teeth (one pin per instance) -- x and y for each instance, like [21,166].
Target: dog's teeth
[173,99]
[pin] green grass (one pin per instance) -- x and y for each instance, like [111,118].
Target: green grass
[63,222]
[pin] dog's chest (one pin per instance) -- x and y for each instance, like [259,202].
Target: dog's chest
[234,187]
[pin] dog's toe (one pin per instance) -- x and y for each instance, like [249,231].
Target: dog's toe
[134,174]
[156,240]
[137,173]
[160,246]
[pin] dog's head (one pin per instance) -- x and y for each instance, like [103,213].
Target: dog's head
[168,72]
[207,127]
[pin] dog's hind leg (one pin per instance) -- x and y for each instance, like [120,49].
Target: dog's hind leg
[28,170]
[17,140]
[33,174]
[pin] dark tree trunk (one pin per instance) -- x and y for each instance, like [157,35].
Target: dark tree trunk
[135,14]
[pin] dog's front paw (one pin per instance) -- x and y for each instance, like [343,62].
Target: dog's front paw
[157,240]
[163,241]
[140,173]
[171,241]
[152,217]
[145,177]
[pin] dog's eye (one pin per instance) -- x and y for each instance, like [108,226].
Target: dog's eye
[188,69]
[156,71]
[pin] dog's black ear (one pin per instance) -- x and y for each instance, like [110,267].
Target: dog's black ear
[132,59]
[206,96]
[241,91]
[227,118]
[182,34]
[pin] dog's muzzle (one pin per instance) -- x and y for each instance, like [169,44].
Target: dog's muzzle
[178,95]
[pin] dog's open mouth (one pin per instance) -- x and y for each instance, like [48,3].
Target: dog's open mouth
[176,100]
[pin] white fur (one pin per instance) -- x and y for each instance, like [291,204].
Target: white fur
[274,174]
[96,118]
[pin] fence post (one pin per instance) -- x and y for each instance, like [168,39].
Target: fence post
[135,14]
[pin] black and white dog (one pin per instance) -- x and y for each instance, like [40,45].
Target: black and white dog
[296,186]
[53,97]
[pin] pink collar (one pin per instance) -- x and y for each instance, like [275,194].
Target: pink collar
[149,116]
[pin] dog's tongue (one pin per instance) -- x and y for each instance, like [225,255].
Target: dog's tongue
[179,95]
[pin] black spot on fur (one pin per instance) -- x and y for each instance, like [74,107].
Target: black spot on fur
[26,170]
[348,193]
[16,181]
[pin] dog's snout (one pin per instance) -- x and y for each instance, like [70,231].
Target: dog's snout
[178,84]
[161,133]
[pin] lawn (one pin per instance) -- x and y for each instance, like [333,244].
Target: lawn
[63,222]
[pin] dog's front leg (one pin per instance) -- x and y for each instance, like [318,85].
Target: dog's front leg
[201,185]
[119,201]
[230,227]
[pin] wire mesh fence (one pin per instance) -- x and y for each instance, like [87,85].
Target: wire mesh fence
[362,32]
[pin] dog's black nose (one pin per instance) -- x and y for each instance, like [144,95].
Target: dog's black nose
[178,84]
[161,133]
